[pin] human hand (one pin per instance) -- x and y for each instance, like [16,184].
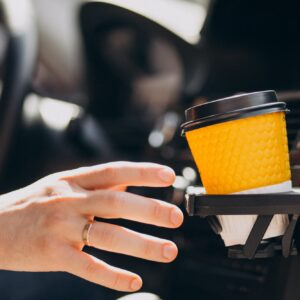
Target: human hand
[42,224]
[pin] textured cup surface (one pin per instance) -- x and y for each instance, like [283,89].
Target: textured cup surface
[241,154]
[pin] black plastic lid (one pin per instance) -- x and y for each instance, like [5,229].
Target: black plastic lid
[231,108]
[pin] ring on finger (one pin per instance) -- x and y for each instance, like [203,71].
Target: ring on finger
[86,232]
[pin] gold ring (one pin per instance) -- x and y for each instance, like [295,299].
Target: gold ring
[86,232]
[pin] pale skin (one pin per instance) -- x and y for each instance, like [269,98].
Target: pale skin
[42,224]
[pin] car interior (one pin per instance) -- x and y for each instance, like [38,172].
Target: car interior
[89,82]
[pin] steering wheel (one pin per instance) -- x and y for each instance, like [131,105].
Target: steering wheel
[19,64]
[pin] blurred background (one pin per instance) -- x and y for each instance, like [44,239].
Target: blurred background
[86,82]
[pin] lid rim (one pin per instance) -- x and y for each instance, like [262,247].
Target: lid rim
[231,116]
[236,112]
[230,104]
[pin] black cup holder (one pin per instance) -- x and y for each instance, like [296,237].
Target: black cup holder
[264,205]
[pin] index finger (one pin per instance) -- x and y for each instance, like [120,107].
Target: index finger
[122,174]
[110,204]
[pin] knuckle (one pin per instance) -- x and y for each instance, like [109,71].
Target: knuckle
[148,248]
[157,210]
[65,184]
[110,172]
[49,190]
[107,238]
[116,281]
[57,188]
[142,173]
[91,269]
[115,201]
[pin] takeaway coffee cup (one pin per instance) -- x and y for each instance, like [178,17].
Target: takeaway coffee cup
[240,145]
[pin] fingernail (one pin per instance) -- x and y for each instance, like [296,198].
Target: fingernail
[167,175]
[136,284]
[169,252]
[176,217]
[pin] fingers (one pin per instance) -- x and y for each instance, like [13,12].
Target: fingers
[122,240]
[111,204]
[92,269]
[122,174]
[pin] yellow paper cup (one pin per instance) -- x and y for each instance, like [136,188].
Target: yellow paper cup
[240,145]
